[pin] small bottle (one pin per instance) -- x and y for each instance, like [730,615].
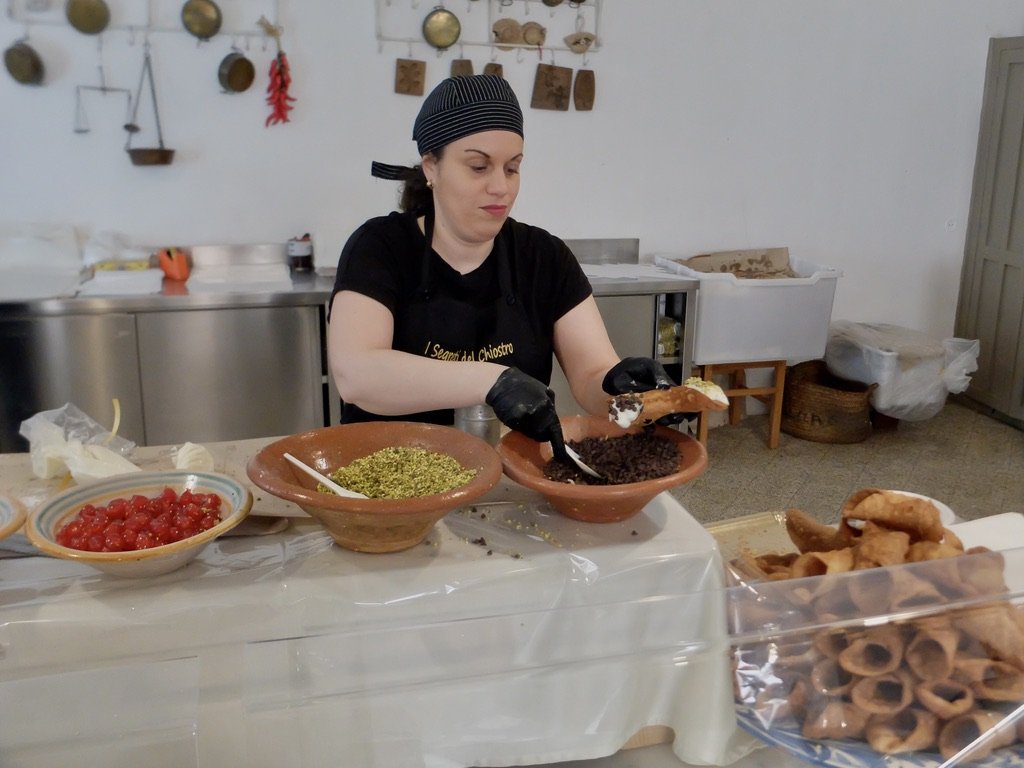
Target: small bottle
[479,420]
[300,253]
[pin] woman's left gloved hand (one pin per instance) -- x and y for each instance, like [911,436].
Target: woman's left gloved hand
[640,374]
[636,374]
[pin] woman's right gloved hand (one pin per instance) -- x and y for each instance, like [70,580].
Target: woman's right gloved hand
[526,405]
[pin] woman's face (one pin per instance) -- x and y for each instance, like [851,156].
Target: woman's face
[475,184]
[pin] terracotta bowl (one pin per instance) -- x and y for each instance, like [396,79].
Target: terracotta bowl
[50,516]
[373,525]
[524,461]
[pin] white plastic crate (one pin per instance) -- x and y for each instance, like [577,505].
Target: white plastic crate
[751,319]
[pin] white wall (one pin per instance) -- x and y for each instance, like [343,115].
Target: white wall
[844,129]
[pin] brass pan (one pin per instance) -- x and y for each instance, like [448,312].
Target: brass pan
[90,17]
[235,73]
[441,28]
[24,64]
[201,18]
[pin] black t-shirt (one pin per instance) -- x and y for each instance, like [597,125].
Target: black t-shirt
[384,260]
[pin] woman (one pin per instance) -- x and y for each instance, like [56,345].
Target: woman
[452,303]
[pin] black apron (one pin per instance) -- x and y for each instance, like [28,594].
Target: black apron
[457,325]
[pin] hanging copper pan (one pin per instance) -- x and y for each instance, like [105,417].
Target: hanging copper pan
[24,64]
[90,17]
[201,18]
[441,28]
[236,72]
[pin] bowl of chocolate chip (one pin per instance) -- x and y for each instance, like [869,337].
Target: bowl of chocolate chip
[635,465]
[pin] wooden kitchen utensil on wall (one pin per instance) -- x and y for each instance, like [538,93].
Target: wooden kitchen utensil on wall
[494,68]
[461,67]
[583,90]
[410,75]
[552,86]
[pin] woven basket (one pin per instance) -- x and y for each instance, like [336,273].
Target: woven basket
[824,408]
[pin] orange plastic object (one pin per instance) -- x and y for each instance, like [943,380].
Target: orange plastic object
[174,263]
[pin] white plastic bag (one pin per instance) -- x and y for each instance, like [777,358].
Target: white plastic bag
[66,439]
[914,372]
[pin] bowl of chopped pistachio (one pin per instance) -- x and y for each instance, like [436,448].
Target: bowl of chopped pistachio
[412,473]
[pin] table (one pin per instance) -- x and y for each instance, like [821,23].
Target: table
[512,636]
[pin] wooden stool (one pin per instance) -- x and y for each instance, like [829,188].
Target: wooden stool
[738,389]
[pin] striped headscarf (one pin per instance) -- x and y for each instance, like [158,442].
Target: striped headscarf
[458,107]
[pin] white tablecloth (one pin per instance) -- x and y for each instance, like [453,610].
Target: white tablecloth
[512,636]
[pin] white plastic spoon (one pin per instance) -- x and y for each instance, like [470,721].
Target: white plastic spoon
[324,479]
[578,461]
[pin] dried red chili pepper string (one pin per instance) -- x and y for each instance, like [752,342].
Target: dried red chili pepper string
[278,98]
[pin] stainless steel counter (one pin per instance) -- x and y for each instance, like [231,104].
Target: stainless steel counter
[234,363]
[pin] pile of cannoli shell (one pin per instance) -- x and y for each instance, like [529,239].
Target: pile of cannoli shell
[945,665]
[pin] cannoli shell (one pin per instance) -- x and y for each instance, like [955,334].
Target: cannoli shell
[931,652]
[992,680]
[821,563]
[831,644]
[892,589]
[810,535]
[876,651]
[658,403]
[909,730]
[884,694]
[830,679]
[832,719]
[946,698]
[962,731]
[920,551]
[996,629]
[917,517]
[880,547]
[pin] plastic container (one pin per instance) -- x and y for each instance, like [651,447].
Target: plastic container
[906,665]
[914,372]
[753,319]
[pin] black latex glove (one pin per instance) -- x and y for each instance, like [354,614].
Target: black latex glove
[636,374]
[640,374]
[526,405]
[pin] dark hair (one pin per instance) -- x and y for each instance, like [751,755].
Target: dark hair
[416,195]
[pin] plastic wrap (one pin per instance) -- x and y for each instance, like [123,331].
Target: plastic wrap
[918,664]
[513,635]
[913,371]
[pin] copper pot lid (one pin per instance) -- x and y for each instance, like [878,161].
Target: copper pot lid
[441,28]
[89,17]
[201,18]
[24,64]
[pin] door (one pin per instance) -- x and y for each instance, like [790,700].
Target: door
[86,360]
[991,302]
[230,374]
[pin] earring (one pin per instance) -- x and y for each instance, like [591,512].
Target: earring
[430,184]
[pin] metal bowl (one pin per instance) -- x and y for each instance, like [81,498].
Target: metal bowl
[151,156]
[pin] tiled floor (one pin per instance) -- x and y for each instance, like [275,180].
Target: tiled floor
[968,460]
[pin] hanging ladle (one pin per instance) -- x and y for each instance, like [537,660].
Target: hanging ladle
[147,155]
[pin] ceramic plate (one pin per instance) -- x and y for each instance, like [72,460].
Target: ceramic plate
[12,516]
[855,754]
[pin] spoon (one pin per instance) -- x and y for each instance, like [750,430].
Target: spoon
[324,479]
[578,461]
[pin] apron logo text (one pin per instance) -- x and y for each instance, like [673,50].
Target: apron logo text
[484,354]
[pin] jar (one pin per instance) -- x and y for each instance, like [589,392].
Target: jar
[479,420]
[300,254]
